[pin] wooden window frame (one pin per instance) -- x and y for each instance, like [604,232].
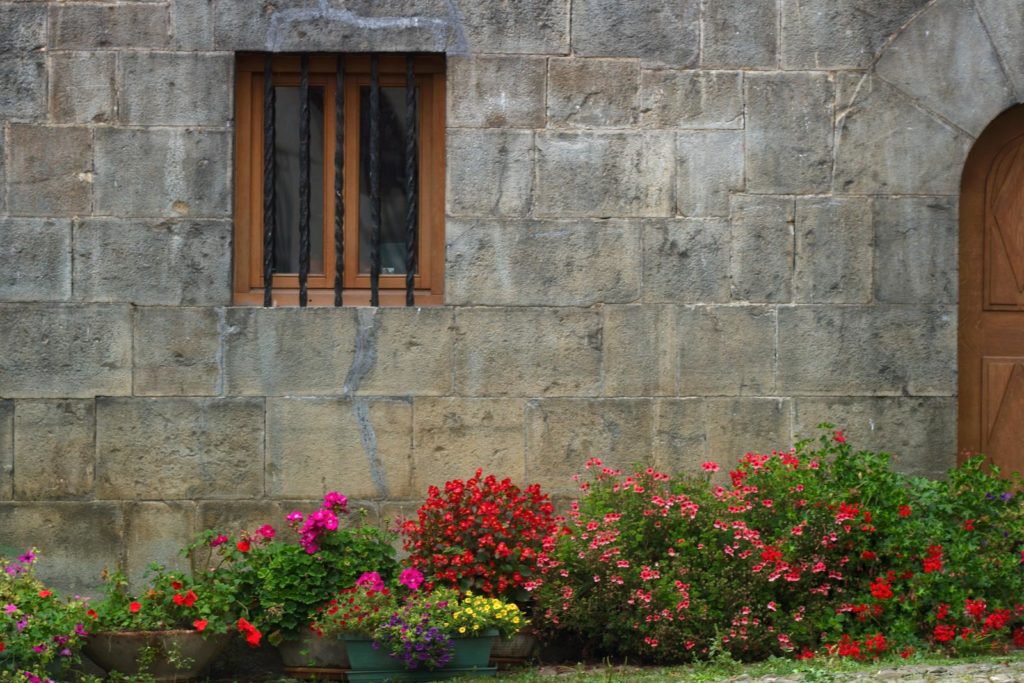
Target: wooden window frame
[248,201]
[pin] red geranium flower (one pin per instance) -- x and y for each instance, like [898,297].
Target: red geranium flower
[904,510]
[45,593]
[199,624]
[134,607]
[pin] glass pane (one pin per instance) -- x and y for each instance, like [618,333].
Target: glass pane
[286,156]
[392,180]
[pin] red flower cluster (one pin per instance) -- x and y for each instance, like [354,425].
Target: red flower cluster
[251,633]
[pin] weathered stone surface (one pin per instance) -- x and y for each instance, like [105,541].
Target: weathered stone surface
[162,172]
[176,351]
[833,251]
[547,263]
[680,434]
[360,446]
[919,432]
[527,352]
[23,88]
[174,88]
[761,267]
[6,450]
[591,93]
[686,260]
[1005,24]
[562,434]
[156,532]
[839,34]
[604,174]
[743,425]
[82,87]
[709,165]
[172,262]
[789,132]
[35,259]
[235,516]
[490,173]
[77,540]
[949,39]
[54,449]
[739,34]
[867,350]
[403,352]
[916,241]
[640,351]
[671,98]
[726,350]
[518,26]
[3,174]
[455,436]
[22,28]
[279,351]
[886,145]
[63,351]
[658,32]
[83,26]
[49,172]
[192,24]
[167,448]
[496,92]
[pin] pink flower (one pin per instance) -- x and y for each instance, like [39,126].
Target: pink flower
[266,531]
[336,501]
[294,516]
[710,466]
[411,578]
[371,580]
[220,540]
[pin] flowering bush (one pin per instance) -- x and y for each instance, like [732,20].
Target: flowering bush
[481,534]
[477,613]
[814,550]
[39,631]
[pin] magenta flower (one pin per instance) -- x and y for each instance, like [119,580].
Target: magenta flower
[22,624]
[266,531]
[411,578]
[28,558]
[371,580]
[336,501]
[295,516]
[10,608]
[220,540]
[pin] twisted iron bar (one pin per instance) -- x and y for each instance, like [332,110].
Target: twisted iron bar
[269,199]
[411,195]
[339,180]
[375,208]
[304,188]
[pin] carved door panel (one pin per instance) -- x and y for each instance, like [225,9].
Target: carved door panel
[991,342]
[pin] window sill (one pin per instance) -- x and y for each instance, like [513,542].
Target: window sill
[325,297]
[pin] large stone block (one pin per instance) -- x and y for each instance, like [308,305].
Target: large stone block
[87,26]
[761,267]
[887,145]
[235,516]
[490,173]
[3,174]
[360,446]
[527,352]
[919,432]
[403,352]
[546,263]
[35,259]
[82,87]
[22,28]
[916,242]
[1005,23]
[840,34]
[562,434]
[867,350]
[172,262]
[6,450]
[789,132]
[77,541]
[496,92]
[592,93]
[739,34]
[54,449]
[743,425]
[640,351]
[177,351]
[604,174]
[156,532]
[709,166]
[168,448]
[163,172]
[23,88]
[833,251]
[680,434]
[63,351]
[192,24]
[671,98]
[280,351]
[943,54]
[686,260]
[50,170]
[518,26]
[175,88]
[455,436]
[726,350]
[657,32]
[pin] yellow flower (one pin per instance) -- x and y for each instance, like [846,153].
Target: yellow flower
[462,629]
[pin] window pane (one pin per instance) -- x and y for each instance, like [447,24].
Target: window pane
[286,156]
[392,180]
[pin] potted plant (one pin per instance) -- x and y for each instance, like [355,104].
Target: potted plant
[40,633]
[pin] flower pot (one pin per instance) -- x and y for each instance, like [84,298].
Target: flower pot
[362,655]
[518,649]
[474,652]
[372,665]
[310,650]
[177,655]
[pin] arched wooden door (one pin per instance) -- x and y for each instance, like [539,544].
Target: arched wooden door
[991,319]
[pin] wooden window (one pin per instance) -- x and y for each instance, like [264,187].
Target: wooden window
[357,232]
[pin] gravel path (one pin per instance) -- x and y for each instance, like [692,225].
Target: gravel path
[1011,672]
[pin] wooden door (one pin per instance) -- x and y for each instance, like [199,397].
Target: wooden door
[991,337]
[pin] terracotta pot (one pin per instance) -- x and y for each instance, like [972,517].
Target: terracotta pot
[121,651]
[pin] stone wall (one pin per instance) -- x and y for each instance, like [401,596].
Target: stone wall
[676,230]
